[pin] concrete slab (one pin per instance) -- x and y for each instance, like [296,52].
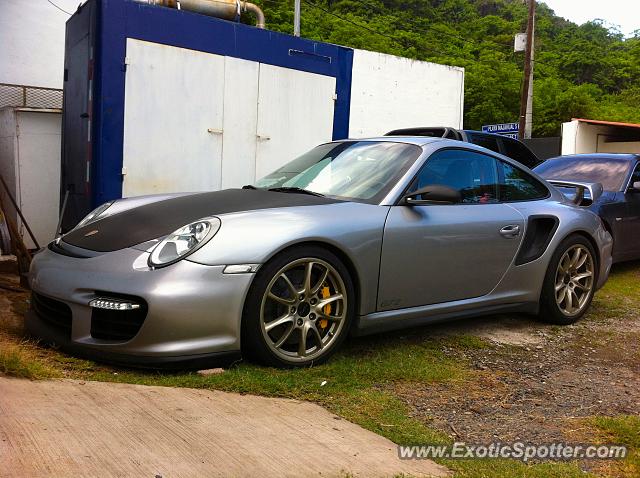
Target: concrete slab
[67,428]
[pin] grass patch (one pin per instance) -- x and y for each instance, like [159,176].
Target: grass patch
[619,297]
[18,361]
[622,430]
[363,365]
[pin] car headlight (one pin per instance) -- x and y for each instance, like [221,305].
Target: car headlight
[94,215]
[183,242]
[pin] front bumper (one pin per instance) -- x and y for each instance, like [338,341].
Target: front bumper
[194,311]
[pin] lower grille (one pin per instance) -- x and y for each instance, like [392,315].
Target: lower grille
[55,313]
[118,325]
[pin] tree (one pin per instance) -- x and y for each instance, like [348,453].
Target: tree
[581,71]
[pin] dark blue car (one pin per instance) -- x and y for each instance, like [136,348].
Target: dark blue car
[619,204]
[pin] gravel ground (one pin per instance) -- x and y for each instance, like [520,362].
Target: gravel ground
[535,393]
[538,383]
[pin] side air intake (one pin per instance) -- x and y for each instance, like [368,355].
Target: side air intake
[540,231]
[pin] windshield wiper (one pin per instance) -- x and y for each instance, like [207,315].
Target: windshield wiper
[249,186]
[284,189]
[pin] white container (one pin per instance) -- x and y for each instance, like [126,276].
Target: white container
[30,165]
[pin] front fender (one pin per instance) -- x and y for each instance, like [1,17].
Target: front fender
[255,237]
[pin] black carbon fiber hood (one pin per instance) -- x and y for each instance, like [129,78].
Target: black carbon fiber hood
[158,219]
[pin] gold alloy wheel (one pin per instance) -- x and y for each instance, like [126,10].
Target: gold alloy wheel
[574,280]
[303,310]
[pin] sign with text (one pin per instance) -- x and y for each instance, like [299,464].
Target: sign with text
[505,129]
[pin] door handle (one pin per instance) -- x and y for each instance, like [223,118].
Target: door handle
[512,230]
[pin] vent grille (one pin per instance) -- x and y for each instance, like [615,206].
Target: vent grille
[55,313]
[22,96]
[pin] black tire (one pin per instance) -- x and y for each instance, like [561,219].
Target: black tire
[550,311]
[255,345]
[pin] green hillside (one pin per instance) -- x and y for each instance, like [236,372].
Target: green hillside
[581,71]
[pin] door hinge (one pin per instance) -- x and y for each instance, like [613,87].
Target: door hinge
[335,97]
[124,170]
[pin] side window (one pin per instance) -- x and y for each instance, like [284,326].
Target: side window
[486,141]
[473,174]
[635,177]
[516,185]
[518,151]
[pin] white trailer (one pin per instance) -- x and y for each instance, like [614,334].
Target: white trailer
[595,136]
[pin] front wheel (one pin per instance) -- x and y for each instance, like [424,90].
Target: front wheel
[570,282]
[299,308]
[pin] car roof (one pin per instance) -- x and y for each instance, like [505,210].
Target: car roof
[426,140]
[416,140]
[602,156]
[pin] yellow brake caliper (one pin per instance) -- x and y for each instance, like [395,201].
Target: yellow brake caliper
[326,309]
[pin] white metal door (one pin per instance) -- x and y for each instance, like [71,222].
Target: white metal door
[295,113]
[173,119]
[240,118]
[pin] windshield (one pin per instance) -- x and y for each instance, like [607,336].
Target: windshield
[609,172]
[358,170]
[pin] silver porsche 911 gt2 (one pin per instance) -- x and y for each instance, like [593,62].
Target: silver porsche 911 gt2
[355,236]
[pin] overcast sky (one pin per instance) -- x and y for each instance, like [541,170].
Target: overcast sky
[624,13]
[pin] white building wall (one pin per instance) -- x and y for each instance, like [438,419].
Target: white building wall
[32,41]
[390,92]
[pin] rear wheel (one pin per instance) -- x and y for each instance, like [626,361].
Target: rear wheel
[570,282]
[299,308]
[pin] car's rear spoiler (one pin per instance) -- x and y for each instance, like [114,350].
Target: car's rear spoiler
[584,191]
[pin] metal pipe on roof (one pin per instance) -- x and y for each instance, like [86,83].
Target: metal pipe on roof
[225,9]
[255,9]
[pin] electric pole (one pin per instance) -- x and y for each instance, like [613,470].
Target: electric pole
[296,18]
[526,97]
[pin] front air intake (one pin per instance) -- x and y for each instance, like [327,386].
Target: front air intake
[119,324]
[55,313]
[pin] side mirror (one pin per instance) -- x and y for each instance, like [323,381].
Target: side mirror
[434,194]
[635,187]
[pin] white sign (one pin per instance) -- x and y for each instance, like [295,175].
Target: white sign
[520,42]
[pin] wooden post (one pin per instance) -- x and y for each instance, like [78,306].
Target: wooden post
[527,70]
[22,253]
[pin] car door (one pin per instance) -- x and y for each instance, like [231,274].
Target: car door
[631,225]
[446,252]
